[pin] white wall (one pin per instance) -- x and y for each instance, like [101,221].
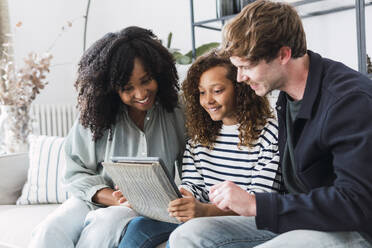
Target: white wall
[333,35]
[42,23]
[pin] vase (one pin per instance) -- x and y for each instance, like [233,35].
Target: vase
[14,128]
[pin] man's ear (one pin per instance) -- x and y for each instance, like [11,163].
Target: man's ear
[284,54]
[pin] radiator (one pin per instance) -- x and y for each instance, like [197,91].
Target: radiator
[52,119]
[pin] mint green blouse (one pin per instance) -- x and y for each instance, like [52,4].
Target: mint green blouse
[164,136]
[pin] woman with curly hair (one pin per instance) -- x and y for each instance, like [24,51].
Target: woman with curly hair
[128,102]
[233,137]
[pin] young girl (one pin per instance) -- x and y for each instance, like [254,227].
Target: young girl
[233,137]
[128,101]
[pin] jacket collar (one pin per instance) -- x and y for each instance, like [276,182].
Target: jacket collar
[313,85]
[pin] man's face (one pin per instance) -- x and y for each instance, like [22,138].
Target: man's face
[262,77]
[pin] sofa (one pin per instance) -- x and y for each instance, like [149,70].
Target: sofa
[30,189]
[17,221]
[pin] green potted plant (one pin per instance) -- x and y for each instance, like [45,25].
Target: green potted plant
[185,59]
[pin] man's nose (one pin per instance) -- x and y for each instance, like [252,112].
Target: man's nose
[240,77]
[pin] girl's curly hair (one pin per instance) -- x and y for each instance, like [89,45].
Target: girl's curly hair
[252,111]
[105,68]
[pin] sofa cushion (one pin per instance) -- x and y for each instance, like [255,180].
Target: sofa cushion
[13,171]
[44,178]
[5,245]
[17,222]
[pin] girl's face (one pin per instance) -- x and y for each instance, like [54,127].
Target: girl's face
[140,92]
[217,95]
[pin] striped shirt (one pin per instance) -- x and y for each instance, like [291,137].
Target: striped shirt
[254,169]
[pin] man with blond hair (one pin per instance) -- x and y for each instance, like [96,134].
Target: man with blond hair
[325,141]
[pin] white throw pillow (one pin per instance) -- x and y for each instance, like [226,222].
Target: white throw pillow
[46,168]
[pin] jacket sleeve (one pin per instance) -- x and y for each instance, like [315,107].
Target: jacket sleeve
[346,204]
[82,175]
[191,178]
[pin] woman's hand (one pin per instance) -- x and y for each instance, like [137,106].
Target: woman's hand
[186,208]
[105,196]
[119,197]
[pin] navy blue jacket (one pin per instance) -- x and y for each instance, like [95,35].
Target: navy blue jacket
[333,155]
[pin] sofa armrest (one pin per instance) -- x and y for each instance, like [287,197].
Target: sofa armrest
[13,172]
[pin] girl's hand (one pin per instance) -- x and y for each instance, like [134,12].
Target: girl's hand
[118,196]
[186,208]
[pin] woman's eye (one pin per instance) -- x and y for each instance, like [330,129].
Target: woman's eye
[218,91]
[127,88]
[146,81]
[201,93]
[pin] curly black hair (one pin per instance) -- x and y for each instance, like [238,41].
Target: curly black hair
[252,111]
[105,68]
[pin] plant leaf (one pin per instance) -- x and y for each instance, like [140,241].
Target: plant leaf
[183,60]
[203,49]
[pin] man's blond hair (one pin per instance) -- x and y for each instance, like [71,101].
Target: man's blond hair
[261,29]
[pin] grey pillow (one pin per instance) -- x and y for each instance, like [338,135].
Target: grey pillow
[13,172]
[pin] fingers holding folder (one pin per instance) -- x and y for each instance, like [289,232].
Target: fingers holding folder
[118,195]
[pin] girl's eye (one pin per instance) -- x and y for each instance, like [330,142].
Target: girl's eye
[218,91]
[201,93]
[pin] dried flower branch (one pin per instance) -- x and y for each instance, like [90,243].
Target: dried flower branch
[18,88]
[17,91]
[21,87]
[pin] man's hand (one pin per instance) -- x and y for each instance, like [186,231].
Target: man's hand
[186,208]
[229,196]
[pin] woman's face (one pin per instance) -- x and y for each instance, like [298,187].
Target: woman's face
[140,92]
[216,95]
